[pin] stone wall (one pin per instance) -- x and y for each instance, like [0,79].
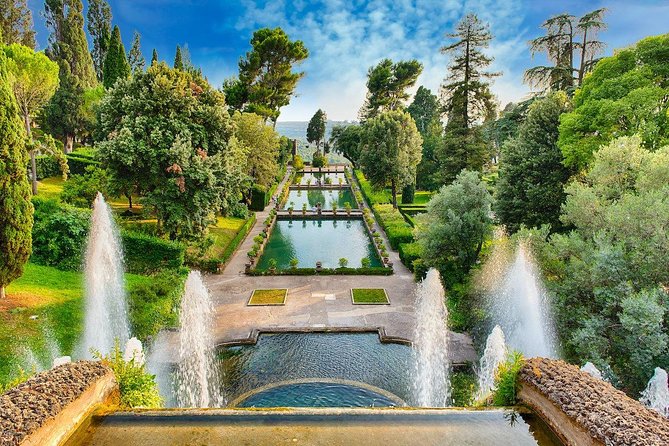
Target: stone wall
[48,407]
[585,410]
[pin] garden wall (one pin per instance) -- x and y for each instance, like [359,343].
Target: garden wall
[584,410]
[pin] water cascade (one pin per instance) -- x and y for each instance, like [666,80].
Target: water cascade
[106,310]
[592,370]
[656,395]
[431,387]
[494,354]
[520,306]
[197,377]
[134,351]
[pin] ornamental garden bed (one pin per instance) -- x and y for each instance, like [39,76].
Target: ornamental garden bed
[369,296]
[275,296]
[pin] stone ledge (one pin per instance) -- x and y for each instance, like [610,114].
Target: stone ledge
[48,407]
[555,389]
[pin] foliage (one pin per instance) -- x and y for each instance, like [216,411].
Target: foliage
[145,254]
[79,162]
[178,59]
[394,225]
[387,83]
[426,112]
[260,145]
[135,56]
[20,378]
[371,195]
[463,386]
[392,150]
[624,95]
[343,262]
[276,296]
[153,304]
[345,140]
[99,28]
[298,163]
[506,380]
[16,211]
[138,387]
[116,64]
[531,174]
[80,190]
[316,128]
[16,23]
[319,159]
[457,223]
[369,296]
[506,126]
[348,271]
[408,253]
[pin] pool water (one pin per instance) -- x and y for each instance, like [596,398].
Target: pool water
[325,241]
[313,177]
[323,196]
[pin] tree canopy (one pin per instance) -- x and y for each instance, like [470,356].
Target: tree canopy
[260,144]
[135,56]
[16,23]
[316,128]
[346,140]
[99,17]
[387,85]
[116,64]
[426,112]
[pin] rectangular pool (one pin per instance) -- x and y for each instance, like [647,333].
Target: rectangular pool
[314,177]
[326,197]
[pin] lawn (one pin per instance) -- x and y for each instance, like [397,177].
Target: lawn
[50,188]
[268,297]
[421,197]
[369,296]
[223,232]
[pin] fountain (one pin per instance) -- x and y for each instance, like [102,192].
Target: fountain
[494,354]
[431,385]
[520,307]
[134,351]
[106,315]
[656,394]
[592,370]
[197,379]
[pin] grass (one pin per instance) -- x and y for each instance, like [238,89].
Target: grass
[50,188]
[421,197]
[275,296]
[373,296]
[223,232]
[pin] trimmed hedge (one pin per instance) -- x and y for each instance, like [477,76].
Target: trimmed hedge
[372,196]
[78,163]
[260,196]
[394,225]
[408,253]
[47,166]
[371,271]
[146,254]
[211,265]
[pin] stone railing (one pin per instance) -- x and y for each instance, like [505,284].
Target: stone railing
[584,410]
[46,409]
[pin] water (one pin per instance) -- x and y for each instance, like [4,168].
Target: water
[520,306]
[197,377]
[325,241]
[312,178]
[494,354]
[106,316]
[325,197]
[431,368]
[592,370]
[134,351]
[656,394]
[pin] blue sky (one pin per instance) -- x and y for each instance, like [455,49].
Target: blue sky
[346,37]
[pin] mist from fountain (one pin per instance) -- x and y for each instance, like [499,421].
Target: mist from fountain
[656,394]
[197,378]
[592,370]
[431,386]
[106,316]
[494,354]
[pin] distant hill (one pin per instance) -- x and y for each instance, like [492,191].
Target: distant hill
[298,130]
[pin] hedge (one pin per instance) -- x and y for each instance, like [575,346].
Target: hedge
[394,225]
[47,166]
[372,196]
[408,253]
[78,163]
[371,271]
[146,254]
[211,265]
[260,196]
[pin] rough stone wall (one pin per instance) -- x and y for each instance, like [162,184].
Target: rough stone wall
[27,407]
[606,413]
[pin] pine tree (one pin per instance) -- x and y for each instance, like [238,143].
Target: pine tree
[99,27]
[116,65]
[154,57]
[135,57]
[178,60]
[16,210]
[426,112]
[316,128]
[387,85]
[16,23]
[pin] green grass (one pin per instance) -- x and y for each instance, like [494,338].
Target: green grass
[369,296]
[50,188]
[421,197]
[223,232]
[275,296]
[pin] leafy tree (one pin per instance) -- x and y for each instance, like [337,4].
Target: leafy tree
[260,144]
[506,125]
[16,23]
[99,17]
[135,56]
[531,175]
[316,128]
[154,56]
[266,78]
[625,94]
[16,210]
[391,150]
[116,64]
[387,83]
[346,140]
[457,223]
[35,79]
[178,60]
[467,99]
[426,112]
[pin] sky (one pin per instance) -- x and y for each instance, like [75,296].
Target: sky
[346,37]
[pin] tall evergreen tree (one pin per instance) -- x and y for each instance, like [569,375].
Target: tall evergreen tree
[135,56]
[387,85]
[16,210]
[316,128]
[178,60]
[154,56]
[532,175]
[468,99]
[16,23]
[99,27]
[426,112]
[116,65]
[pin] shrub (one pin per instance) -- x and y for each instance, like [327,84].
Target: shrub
[259,198]
[320,159]
[365,262]
[371,195]
[258,238]
[409,252]
[272,263]
[343,262]
[506,380]
[46,166]
[80,190]
[393,223]
[298,162]
[370,271]
[146,254]
[22,377]
[78,162]
[294,262]
[152,305]
[408,193]
[238,210]
[463,386]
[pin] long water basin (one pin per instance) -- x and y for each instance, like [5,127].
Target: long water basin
[326,197]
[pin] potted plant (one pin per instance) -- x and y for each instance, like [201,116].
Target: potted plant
[365,262]
[304,208]
[343,262]
[290,208]
[347,206]
[293,263]
[334,208]
[272,265]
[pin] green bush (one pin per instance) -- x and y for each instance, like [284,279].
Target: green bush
[506,380]
[369,271]
[409,252]
[146,254]
[46,166]
[394,225]
[152,304]
[372,196]
[320,159]
[408,193]
[80,190]
[260,196]
[79,161]
[298,163]
[463,385]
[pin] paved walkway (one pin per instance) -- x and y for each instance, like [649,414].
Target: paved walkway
[316,302]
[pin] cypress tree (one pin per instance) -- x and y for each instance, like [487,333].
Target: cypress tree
[154,57]
[178,60]
[116,64]
[16,23]
[16,210]
[135,57]
[99,27]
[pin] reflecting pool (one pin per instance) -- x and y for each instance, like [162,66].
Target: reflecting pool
[314,177]
[326,197]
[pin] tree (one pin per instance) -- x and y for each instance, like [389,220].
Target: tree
[391,150]
[260,145]
[346,140]
[154,56]
[135,57]
[99,28]
[16,23]
[467,98]
[178,60]
[506,126]
[266,73]
[564,37]
[457,223]
[35,79]
[116,64]
[531,174]
[387,83]
[426,112]
[16,210]
[316,128]
[168,137]
[625,94]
